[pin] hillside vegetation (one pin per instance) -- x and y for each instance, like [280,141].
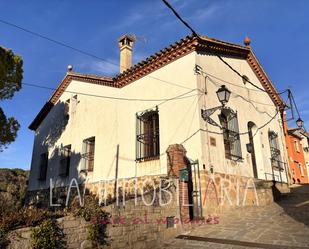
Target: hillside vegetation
[13,186]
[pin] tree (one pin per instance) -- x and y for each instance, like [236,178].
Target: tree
[11,75]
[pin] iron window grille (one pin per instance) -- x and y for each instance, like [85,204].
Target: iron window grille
[43,166]
[275,154]
[88,154]
[147,135]
[65,160]
[229,122]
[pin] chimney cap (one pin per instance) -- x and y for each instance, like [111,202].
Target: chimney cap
[126,36]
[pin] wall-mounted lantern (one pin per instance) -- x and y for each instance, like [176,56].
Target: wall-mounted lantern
[299,123]
[223,95]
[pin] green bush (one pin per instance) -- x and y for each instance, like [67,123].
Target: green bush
[47,235]
[92,212]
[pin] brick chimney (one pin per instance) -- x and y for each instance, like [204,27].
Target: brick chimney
[126,43]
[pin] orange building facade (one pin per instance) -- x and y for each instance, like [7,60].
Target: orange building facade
[296,157]
[297,163]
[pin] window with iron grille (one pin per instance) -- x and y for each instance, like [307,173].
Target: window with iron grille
[43,166]
[88,154]
[65,159]
[147,135]
[275,153]
[231,138]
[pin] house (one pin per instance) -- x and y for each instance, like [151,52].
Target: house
[297,146]
[121,127]
[305,144]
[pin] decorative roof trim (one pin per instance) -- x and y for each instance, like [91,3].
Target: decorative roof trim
[265,81]
[160,59]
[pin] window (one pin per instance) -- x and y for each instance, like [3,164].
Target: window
[301,170]
[147,135]
[74,103]
[296,146]
[88,154]
[65,159]
[275,150]
[43,166]
[229,123]
[67,109]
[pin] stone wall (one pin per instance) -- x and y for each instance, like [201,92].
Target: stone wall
[222,192]
[137,223]
[75,230]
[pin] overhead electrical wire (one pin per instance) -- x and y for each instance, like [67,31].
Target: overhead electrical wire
[81,51]
[225,62]
[240,133]
[183,95]
[107,61]
[198,36]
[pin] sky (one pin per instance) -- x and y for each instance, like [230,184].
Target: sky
[278,30]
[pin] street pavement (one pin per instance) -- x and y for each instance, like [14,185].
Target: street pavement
[281,225]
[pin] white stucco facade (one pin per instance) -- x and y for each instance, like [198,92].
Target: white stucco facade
[113,122]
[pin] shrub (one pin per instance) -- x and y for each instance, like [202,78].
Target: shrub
[3,236]
[47,235]
[92,212]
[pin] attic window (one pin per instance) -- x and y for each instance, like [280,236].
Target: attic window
[67,108]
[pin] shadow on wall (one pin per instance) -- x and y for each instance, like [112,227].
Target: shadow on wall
[63,166]
[63,163]
[57,122]
[296,203]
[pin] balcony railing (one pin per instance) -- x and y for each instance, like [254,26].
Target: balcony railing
[277,167]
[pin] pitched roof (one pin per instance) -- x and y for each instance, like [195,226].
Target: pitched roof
[163,57]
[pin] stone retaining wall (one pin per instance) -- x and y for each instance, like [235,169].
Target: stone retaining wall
[134,224]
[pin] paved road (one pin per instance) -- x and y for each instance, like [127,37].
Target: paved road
[281,225]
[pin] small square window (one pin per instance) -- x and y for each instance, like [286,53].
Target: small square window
[213,141]
[170,222]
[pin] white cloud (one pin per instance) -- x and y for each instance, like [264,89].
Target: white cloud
[103,67]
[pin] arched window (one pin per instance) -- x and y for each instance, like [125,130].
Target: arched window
[229,123]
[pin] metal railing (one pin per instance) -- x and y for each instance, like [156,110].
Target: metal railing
[278,167]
